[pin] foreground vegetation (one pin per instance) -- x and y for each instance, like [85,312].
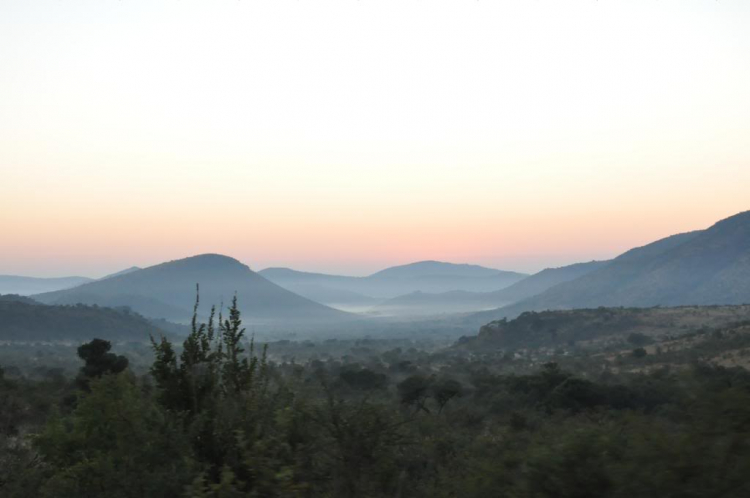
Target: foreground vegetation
[220,417]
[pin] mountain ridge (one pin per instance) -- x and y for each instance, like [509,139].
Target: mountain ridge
[22,285]
[702,267]
[424,276]
[171,288]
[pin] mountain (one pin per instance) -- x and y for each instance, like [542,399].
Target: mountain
[121,272]
[25,286]
[704,267]
[436,276]
[423,303]
[167,291]
[431,269]
[333,297]
[23,321]
[545,279]
[424,276]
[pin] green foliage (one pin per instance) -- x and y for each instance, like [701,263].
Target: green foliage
[213,418]
[117,443]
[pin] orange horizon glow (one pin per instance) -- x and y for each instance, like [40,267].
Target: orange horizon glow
[346,137]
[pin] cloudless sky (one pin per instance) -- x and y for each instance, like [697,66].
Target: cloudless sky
[347,136]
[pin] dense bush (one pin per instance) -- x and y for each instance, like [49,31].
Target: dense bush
[216,418]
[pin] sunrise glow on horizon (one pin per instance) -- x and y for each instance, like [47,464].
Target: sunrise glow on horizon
[516,135]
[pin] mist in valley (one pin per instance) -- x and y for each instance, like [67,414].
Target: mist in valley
[374,249]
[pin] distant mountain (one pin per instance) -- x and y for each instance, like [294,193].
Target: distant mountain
[424,276]
[545,279]
[340,299]
[23,321]
[704,267]
[431,269]
[25,286]
[168,291]
[423,303]
[427,303]
[121,272]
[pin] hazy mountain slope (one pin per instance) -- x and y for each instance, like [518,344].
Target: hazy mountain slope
[422,303]
[711,266]
[25,286]
[434,268]
[331,296]
[545,279]
[21,321]
[121,272]
[168,291]
[425,276]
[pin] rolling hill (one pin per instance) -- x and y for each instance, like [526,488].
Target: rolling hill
[23,321]
[121,272]
[25,286]
[543,280]
[705,267]
[430,269]
[423,276]
[422,303]
[593,328]
[167,291]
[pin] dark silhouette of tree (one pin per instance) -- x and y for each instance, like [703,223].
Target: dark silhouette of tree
[414,391]
[99,361]
[445,390]
[364,379]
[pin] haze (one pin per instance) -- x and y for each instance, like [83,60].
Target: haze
[349,136]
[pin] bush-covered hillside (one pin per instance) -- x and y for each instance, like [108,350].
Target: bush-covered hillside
[24,321]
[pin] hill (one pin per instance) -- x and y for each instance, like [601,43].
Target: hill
[167,291]
[333,297]
[587,327]
[121,272]
[543,280]
[25,286]
[428,269]
[422,303]
[17,298]
[25,322]
[705,267]
[424,276]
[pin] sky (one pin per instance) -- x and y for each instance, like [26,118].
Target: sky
[347,136]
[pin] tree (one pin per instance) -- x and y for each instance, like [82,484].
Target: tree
[364,380]
[638,339]
[445,390]
[116,443]
[99,361]
[414,391]
[639,353]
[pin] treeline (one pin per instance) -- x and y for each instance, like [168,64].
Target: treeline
[217,418]
[594,327]
[21,319]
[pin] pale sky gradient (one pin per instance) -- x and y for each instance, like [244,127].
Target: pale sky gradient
[352,135]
